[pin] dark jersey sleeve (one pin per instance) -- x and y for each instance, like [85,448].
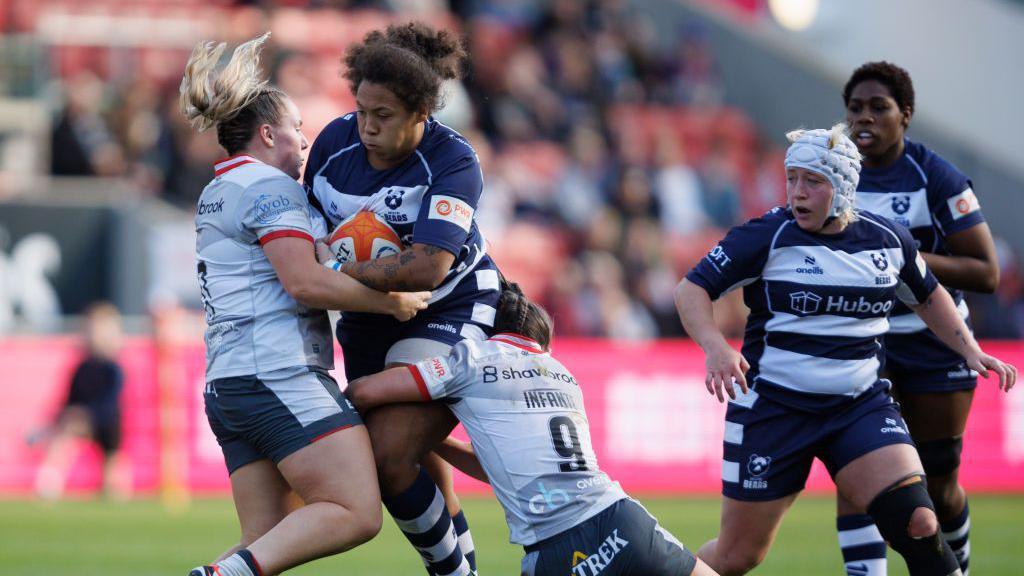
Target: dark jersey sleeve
[739,258]
[446,216]
[951,197]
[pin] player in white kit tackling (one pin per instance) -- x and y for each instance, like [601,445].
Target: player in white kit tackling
[523,411]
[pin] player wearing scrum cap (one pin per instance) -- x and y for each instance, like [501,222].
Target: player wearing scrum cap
[523,411]
[278,416]
[820,279]
[905,181]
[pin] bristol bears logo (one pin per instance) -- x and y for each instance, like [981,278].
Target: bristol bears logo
[394,198]
[758,465]
[900,204]
[880,261]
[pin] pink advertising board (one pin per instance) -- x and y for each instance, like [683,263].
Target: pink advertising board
[655,428]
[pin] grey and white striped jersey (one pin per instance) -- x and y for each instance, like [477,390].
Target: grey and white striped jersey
[254,326]
[524,414]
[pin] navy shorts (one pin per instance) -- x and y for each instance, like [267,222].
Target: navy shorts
[274,415]
[769,447]
[622,539]
[365,339]
[920,363]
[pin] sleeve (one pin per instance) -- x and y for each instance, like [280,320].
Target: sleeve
[916,281]
[738,259]
[951,198]
[445,376]
[446,215]
[275,207]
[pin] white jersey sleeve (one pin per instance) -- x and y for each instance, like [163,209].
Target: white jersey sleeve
[273,207]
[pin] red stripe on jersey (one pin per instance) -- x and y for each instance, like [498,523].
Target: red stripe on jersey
[227,164]
[419,381]
[284,234]
[519,341]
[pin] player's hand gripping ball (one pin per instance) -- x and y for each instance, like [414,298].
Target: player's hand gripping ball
[363,236]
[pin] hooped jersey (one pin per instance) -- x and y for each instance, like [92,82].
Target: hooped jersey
[253,325]
[818,303]
[524,414]
[431,198]
[928,195]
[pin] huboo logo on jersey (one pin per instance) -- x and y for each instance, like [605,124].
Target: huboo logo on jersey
[963,204]
[452,210]
[593,564]
[804,302]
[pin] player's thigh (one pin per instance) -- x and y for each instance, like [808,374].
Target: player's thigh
[337,468]
[866,477]
[405,433]
[936,415]
[261,498]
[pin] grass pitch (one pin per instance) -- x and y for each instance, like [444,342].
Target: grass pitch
[85,538]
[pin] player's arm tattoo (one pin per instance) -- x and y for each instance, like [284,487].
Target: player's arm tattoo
[412,269]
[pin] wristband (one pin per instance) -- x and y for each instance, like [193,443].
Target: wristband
[333,264]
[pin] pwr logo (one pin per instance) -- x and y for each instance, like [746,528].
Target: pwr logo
[452,210]
[439,368]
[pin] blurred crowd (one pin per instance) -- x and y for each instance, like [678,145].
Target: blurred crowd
[611,161]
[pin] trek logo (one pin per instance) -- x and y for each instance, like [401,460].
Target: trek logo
[900,204]
[718,258]
[594,564]
[892,427]
[813,267]
[210,208]
[548,499]
[804,302]
[859,306]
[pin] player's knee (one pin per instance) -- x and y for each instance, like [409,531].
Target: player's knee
[739,560]
[367,525]
[923,523]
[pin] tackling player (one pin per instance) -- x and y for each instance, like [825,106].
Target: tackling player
[392,157]
[278,416]
[820,280]
[912,185]
[530,438]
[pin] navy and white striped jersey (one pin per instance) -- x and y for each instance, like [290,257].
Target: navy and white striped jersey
[430,199]
[253,325]
[818,303]
[928,195]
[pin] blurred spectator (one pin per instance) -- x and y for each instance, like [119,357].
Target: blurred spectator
[81,143]
[91,411]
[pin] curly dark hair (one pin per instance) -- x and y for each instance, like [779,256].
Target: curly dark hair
[518,315]
[410,60]
[896,79]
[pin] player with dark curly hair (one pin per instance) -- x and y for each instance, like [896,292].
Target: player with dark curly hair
[392,157]
[905,181]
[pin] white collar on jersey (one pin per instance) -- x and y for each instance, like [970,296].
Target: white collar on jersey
[225,164]
[519,341]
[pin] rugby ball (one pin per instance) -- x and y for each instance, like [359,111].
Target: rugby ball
[363,236]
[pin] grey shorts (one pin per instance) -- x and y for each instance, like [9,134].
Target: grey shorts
[624,539]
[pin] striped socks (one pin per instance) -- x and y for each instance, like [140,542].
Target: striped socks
[465,539]
[862,545]
[422,516]
[956,533]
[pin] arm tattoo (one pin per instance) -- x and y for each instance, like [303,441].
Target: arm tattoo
[960,333]
[394,273]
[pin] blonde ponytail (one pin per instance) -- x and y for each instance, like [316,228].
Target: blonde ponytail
[207,102]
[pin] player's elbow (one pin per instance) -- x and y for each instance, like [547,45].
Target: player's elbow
[302,291]
[361,396]
[990,280]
